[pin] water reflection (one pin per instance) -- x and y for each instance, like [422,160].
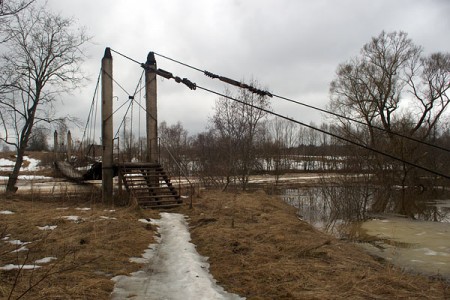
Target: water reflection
[420,242]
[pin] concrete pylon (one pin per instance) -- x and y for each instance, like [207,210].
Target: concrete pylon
[107,127]
[55,145]
[151,107]
[69,146]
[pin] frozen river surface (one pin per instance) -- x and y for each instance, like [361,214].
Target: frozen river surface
[419,246]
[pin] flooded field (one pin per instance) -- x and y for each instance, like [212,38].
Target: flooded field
[419,245]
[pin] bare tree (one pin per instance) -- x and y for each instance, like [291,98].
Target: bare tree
[174,145]
[42,60]
[392,85]
[9,8]
[209,158]
[38,139]
[237,125]
[284,138]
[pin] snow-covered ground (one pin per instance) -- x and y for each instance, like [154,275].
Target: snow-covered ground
[33,165]
[173,270]
[7,165]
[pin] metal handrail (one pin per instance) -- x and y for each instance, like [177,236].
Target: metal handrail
[179,167]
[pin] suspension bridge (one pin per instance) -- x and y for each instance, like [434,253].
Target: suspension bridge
[146,180]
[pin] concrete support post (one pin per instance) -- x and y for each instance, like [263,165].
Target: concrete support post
[107,127]
[151,107]
[55,145]
[69,146]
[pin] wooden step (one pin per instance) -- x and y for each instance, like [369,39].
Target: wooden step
[150,185]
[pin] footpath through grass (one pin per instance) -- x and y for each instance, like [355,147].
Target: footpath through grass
[257,248]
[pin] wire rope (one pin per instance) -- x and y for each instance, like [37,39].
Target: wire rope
[329,133]
[315,108]
[164,74]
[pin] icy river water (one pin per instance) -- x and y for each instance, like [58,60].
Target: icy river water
[415,245]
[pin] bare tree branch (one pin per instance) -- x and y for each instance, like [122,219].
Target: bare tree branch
[44,53]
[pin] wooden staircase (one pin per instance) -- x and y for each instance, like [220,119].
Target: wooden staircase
[149,185]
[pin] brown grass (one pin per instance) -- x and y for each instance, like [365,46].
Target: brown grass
[88,253]
[257,248]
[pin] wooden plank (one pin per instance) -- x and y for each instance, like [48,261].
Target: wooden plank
[138,179]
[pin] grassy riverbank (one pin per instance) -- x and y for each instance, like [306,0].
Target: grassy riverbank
[257,247]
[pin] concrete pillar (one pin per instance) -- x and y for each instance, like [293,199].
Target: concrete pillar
[107,127]
[55,145]
[69,146]
[151,108]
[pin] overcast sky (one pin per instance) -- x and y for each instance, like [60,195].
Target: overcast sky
[291,47]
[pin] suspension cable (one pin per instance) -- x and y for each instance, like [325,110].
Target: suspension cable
[265,93]
[91,112]
[193,86]
[328,133]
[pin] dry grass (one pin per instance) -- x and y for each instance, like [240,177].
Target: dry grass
[88,252]
[257,246]
[259,249]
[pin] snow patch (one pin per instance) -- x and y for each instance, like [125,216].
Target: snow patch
[27,177]
[18,242]
[47,227]
[75,219]
[6,212]
[83,208]
[21,249]
[10,267]
[107,218]
[45,260]
[146,221]
[7,164]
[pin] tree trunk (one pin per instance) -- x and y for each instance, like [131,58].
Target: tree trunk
[23,143]
[11,186]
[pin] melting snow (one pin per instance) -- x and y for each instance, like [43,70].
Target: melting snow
[10,267]
[107,218]
[18,242]
[75,219]
[175,269]
[7,165]
[6,212]
[83,208]
[47,227]
[45,260]
[26,177]
[23,248]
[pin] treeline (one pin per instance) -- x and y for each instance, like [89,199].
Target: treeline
[283,147]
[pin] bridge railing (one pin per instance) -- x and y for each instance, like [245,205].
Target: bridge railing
[180,169]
